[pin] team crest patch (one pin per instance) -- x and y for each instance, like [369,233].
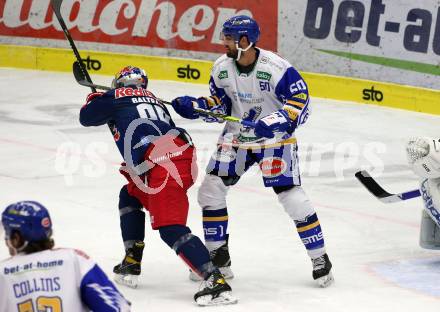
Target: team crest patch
[273,167]
[223,74]
[263,75]
[264,60]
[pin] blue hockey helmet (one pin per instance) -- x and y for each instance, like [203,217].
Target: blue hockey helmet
[242,25]
[31,219]
[130,76]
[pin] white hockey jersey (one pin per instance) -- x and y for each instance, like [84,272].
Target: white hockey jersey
[272,85]
[56,280]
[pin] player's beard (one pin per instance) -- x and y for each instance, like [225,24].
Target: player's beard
[232,53]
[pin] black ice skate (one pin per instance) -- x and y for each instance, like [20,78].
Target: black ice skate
[322,271]
[214,291]
[127,272]
[221,259]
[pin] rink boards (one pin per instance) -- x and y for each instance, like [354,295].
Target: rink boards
[197,71]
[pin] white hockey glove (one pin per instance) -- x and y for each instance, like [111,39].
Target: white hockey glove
[424,156]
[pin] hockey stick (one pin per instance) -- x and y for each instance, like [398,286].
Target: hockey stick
[374,188]
[56,6]
[82,80]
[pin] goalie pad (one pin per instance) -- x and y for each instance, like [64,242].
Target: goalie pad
[429,233]
[424,156]
[430,228]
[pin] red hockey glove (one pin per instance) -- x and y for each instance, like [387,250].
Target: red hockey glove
[93,95]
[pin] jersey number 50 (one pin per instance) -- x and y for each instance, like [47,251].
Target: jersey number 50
[300,85]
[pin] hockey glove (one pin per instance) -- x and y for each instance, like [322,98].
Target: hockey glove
[212,104]
[278,121]
[250,116]
[92,96]
[424,156]
[184,106]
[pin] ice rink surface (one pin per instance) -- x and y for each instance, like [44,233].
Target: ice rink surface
[47,156]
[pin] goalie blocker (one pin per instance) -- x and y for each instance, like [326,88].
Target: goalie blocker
[424,157]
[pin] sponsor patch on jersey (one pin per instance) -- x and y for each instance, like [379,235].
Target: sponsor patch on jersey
[264,60]
[273,167]
[123,92]
[263,75]
[223,74]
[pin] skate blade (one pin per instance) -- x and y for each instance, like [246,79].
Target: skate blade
[223,299]
[226,271]
[131,281]
[325,281]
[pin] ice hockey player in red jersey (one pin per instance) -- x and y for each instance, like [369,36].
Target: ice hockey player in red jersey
[160,166]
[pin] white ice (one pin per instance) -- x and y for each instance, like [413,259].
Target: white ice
[47,156]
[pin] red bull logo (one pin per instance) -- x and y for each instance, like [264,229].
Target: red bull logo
[123,92]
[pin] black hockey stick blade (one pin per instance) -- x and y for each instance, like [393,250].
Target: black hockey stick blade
[56,6]
[81,79]
[374,188]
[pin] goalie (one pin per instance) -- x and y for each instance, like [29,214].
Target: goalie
[424,157]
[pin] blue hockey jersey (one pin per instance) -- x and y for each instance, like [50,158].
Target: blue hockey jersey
[135,117]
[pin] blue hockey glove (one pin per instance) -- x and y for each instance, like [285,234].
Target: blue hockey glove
[213,105]
[250,116]
[278,121]
[184,106]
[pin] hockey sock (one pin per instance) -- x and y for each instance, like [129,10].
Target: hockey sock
[132,218]
[189,247]
[310,232]
[215,225]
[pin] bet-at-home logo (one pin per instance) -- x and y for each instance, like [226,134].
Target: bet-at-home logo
[223,74]
[415,25]
[263,75]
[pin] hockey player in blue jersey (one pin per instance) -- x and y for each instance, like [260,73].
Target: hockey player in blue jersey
[257,85]
[39,277]
[160,166]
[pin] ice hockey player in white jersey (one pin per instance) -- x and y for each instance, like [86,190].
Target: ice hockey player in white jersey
[424,157]
[256,85]
[39,277]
